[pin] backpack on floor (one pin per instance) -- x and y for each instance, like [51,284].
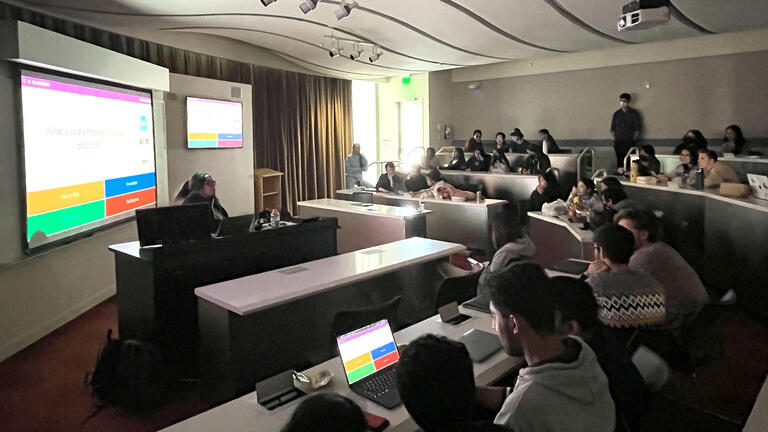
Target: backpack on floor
[129,374]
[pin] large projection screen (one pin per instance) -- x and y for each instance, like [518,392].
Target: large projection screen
[89,156]
[214,123]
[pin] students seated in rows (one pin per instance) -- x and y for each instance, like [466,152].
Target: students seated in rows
[689,158]
[416,181]
[518,145]
[499,162]
[512,246]
[626,298]
[562,388]
[476,142]
[501,142]
[649,164]
[389,181]
[733,141]
[586,193]
[201,188]
[547,191]
[692,138]
[479,161]
[548,142]
[440,189]
[437,385]
[327,412]
[457,162]
[430,160]
[536,162]
[577,316]
[684,293]
[715,173]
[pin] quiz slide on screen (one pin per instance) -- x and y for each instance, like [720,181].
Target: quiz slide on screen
[214,123]
[367,351]
[89,155]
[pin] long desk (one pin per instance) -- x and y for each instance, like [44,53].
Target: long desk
[557,239]
[366,225]
[244,413]
[467,223]
[724,239]
[254,327]
[155,298]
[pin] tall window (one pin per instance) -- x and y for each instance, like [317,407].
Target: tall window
[364,123]
[410,133]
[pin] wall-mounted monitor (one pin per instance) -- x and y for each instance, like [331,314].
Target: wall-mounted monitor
[214,123]
[89,155]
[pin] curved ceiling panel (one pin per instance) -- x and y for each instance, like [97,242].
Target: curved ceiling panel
[721,16]
[603,15]
[534,21]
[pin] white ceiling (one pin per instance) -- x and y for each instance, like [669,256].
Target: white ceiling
[415,35]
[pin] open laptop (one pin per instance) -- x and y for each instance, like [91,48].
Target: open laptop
[173,224]
[236,225]
[369,355]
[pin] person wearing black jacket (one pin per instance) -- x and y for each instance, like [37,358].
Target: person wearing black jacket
[458,162]
[479,161]
[476,142]
[626,124]
[416,181]
[501,142]
[519,145]
[547,191]
[389,181]
[552,146]
[201,188]
[536,162]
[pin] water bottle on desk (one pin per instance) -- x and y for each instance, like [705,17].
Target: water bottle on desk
[274,218]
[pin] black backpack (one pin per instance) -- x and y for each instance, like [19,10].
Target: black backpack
[129,374]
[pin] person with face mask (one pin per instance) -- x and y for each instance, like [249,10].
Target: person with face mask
[625,128]
[501,142]
[649,164]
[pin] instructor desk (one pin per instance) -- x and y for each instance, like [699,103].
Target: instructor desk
[254,327]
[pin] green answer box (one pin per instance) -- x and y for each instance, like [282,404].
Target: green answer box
[361,372]
[64,219]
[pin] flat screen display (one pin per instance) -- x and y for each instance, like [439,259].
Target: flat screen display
[367,350]
[89,155]
[214,123]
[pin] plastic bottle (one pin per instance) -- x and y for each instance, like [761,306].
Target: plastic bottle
[274,218]
[479,197]
[635,168]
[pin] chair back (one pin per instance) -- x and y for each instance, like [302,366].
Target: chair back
[349,320]
[458,289]
[363,197]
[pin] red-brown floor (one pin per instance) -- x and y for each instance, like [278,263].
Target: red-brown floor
[42,389]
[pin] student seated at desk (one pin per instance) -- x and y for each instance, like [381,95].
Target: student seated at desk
[548,141]
[578,317]
[733,141]
[201,188]
[416,181]
[501,142]
[440,189]
[563,387]
[327,412]
[430,159]
[715,173]
[685,295]
[479,161]
[437,385]
[649,163]
[519,145]
[499,162]
[512,246]
[587,194]
[626,298]
[458,162]
[547,191]
[693,138]
[608,183]
[536,162]
[389,181]
[687,168]
[476,142]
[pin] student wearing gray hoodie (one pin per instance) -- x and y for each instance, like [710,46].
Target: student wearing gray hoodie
[512,246]
[563,387]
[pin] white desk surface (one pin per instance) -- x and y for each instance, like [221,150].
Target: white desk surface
[260,291]
[750,202]
[367,209]
[758,418]
[484,203]
[584,236]
[244,414]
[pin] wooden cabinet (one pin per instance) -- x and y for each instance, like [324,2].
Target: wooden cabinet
[267,189]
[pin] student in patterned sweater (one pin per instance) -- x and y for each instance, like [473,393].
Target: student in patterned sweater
[626,298]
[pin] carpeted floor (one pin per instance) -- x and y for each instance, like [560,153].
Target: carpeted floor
[42,388]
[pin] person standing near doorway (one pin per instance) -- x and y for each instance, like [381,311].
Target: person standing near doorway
[625,129]
[354,165]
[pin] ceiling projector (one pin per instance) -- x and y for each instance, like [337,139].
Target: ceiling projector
[643,14]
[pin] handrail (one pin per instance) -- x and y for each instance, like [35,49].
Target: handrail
[602,171]
[578,161]
[629,153]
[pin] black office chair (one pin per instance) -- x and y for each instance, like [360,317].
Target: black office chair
[349,320]
[362,197]
[458,289]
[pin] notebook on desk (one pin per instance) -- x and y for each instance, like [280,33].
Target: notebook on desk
[368,356]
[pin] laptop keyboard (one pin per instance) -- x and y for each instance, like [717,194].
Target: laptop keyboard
[378,384]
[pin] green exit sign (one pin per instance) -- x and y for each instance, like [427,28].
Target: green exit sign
[406,80]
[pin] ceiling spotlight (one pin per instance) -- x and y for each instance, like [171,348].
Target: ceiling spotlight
[356,52]
[375,55]
[344,9]
[333,52]
[267,2]
[307,5]
[333,46]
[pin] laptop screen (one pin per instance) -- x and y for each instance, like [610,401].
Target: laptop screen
[367,350]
